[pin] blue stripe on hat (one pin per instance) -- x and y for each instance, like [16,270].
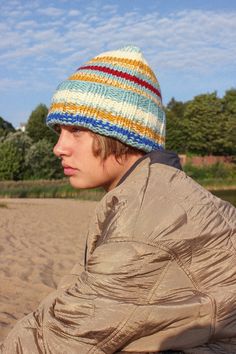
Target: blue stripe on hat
[104,128]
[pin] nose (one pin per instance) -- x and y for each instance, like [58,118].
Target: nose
[62,147]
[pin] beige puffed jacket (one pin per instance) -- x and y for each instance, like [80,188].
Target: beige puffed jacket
[159,274]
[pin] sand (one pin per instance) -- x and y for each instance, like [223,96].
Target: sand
[40,241]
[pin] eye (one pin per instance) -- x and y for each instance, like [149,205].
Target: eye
[75,130]
[57,128]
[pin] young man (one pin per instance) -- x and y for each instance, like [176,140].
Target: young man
[159,271]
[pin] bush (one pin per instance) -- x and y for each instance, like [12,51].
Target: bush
[10,161]
[12,156]
[41,162]
[215,171]
[36,126]
[5,128]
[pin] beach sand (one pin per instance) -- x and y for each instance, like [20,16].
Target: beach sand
[40,241]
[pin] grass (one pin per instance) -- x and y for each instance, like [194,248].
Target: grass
[214,177]
[218,184]
[214,171]
[3,205]
[46,189]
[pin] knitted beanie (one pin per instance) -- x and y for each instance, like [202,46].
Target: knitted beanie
[115,94]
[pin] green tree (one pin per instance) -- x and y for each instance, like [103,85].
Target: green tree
[175,139]
[13,152]
[202,124]
[10,161]
[36,126]
[41,163]
[5,128]
[176,107]
[228,130]
[21,140]
[229,101]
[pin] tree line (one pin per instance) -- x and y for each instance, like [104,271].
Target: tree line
[27,155]
[205,125]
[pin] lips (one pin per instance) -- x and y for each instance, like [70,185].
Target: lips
[68,170]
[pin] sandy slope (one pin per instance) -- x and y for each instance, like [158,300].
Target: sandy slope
[40,241]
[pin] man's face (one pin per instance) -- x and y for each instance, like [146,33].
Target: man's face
[75,148]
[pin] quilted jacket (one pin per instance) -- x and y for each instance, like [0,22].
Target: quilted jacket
[159,274]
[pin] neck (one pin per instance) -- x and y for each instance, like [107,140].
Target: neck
[119,168]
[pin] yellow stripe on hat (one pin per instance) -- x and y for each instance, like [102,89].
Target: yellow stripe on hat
[129,63]
[105,103]
[103,115]
[112,82]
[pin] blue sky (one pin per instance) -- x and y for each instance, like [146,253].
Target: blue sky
[191,45]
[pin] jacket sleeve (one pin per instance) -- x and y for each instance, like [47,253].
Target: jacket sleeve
[118,302]
[67,280]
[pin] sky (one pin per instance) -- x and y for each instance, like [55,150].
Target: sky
[190,45]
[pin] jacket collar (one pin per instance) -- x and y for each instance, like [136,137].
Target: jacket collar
[164,157]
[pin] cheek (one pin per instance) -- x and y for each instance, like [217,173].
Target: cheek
[95,169]
[98,176]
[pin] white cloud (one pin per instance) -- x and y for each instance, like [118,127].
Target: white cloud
[50,11]
[9,84]
[73,13]
[187,41]
[24,24]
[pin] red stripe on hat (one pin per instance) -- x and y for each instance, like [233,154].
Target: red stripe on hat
[123,75]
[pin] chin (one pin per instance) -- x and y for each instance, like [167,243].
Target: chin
[77,184]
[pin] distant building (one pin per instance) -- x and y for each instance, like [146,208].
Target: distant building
[22,127]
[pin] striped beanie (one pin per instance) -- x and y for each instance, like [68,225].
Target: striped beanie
[115,94]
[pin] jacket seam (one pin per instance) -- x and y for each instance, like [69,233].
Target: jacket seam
[189,275]
[196,285]
[225,220]
[149,296]
[212,202]
[156,285]
[141,203]
[118,330]
[213,318]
